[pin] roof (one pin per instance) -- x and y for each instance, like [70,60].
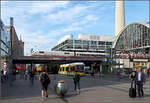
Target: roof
[147,24]
[71,64]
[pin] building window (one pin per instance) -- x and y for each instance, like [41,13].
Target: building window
[78,47]
[85,42]
[78,42]
[93,42]
[101,43]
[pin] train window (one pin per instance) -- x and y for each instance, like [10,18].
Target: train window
[72,69]
[67,53]
[67,68]
[41,51]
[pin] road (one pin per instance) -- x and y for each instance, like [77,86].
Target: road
[106,89]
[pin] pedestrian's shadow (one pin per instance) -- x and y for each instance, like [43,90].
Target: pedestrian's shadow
[70,95]
[75,94]
[64,99]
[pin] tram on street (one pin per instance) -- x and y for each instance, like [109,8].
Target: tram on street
[69,69]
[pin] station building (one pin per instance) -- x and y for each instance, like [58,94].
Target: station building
[132,45]
[85,45]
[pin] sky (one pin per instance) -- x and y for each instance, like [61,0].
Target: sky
[42,23]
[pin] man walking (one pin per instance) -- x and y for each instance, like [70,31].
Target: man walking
[140,81]
[31,74]
[148,72]
[76,79]
[45,81]
[92,73]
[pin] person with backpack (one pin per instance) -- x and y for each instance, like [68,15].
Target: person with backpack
[45,81]
[76,79]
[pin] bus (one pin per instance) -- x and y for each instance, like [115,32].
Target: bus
[69,69]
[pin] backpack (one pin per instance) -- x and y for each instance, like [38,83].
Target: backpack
[31,74]
[77,77]
[148,70]
[45,79]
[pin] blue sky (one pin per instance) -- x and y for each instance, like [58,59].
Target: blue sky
[42,24]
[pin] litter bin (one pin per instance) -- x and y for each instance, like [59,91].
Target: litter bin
[61,88]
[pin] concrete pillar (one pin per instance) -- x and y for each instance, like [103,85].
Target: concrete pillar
[119,16]
[31,66]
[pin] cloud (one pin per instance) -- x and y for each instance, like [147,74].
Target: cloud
[42,24]
[47,7]
[69,14]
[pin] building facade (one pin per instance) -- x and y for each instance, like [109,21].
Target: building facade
[17,46]
[87,45]
[10,45]
[4,45]
[132,45]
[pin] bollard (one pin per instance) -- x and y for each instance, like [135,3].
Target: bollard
[61,88]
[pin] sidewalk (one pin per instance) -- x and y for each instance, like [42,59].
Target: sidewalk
[92,91]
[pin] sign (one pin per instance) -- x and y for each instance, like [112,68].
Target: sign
[140,60]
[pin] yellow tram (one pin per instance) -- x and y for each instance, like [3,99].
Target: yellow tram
[69,69]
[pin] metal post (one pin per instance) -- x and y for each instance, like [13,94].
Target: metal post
[31,66]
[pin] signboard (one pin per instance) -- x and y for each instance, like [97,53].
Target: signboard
[140,60]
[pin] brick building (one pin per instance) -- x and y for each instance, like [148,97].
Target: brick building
[17,46]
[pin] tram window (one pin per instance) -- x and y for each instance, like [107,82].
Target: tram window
[63,69]
[80,68]
[67,68]
[72,68]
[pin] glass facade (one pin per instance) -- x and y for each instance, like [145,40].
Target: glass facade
[4,41]
[82,45]
[4,46]
[135,37]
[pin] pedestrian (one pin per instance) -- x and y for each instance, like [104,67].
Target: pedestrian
[2,72]
[31,74]
[148,72]
[119,74]
[26,75]
[92,73]
[76,79]
[140,81]
[21,74]
[5,75]
[2,76]
[45,81]
[132,77]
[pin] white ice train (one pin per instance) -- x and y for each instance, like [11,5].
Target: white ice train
[69,53]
